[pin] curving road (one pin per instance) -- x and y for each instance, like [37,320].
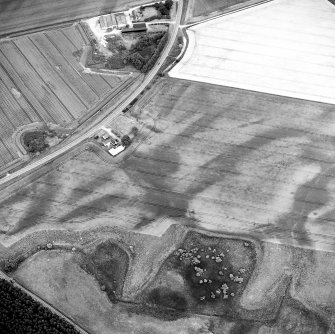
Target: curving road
[116,111]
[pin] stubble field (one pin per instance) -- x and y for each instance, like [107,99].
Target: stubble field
[280,47]
[43,81]
[20,15]
[220,158]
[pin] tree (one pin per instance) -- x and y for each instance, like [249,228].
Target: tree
[168,4]
[134,130]
[125,140]
[20,313]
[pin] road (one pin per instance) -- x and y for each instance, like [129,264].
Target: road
[43,302]
[115,112]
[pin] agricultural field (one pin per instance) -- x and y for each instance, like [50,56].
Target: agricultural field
[17,15]
[214,159]
[224,159]
[281,47]
[204,8]
[42,80]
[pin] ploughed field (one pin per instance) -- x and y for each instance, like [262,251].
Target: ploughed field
[204,7]
[224,159]
[41,80]
[18,15]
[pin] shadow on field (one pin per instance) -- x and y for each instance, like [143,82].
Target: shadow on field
[304,207]
[39,206]
[232,158]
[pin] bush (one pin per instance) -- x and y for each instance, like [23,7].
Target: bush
[151,62]
[125,140]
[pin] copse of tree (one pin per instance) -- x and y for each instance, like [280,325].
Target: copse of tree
[21,314]
[164,7]
[147,40]
[136,60]
[151,62]
[35,141]
[168,4]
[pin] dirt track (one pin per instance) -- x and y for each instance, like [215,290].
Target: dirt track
[17,15]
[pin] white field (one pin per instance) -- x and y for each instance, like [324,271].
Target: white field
[284,47]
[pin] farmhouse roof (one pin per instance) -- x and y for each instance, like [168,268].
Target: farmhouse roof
[139,25]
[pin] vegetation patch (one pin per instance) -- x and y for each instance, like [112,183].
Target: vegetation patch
[109,265]
[158,11]
[77,54]
[142,54]
[20,313]
[37,141]
[214,272]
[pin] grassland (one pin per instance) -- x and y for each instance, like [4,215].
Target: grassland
[43,81]
[18,16]
[281,305]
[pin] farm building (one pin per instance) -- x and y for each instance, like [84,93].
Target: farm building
[115,151]
[112,21]
[121,20]
[140,26]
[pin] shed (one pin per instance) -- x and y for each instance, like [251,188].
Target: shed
[115,151]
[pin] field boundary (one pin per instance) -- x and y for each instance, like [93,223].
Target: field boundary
[229,10]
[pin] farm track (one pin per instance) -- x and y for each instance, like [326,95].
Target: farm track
[65,47]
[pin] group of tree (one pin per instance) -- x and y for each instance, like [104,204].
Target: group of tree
[35,141]
[151,62]
[164,7]
[138,61]
[148,40]
[21,314]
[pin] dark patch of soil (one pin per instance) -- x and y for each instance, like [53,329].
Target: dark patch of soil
[109,265]
[168,298]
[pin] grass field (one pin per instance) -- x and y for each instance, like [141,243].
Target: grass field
[57,276]
[226,159]
[17,15]
[77,294]
[43,81]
